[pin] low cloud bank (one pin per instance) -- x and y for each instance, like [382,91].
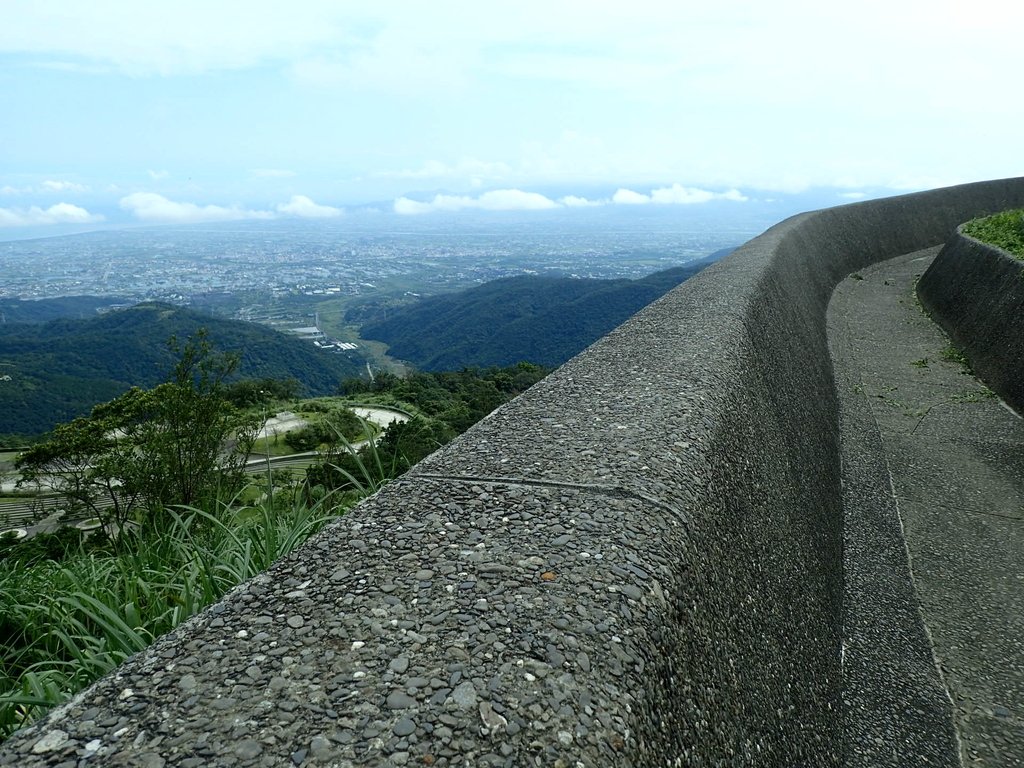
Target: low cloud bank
[518,200]
[677,194]
[55,185]
[48,187]
[496,200]
[149,206]
[304,208]
[61,213]
[572,201]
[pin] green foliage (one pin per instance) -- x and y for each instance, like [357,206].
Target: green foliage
[1004,230]
[55,546]
[447,404]
[72,607]
[404,443]
[68,619]
[543,319]
[251,392]
[953,355]
[458,398]
[61,369]
[44,310]
[331,426]
[181,442]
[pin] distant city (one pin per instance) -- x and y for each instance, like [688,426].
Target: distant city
[265,270]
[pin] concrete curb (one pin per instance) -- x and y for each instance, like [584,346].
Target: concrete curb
[975,291]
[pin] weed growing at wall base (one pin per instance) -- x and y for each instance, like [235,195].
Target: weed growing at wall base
[953,355]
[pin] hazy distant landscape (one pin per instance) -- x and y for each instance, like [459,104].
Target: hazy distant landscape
[368,252]
[563,279]
[323,300]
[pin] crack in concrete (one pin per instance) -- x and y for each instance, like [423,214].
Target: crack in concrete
[608,490]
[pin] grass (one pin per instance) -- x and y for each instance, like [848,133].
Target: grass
[273,444]
[1004,230]
[75,605]
[74,608]
[953,355]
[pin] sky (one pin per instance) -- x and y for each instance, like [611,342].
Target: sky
[116,111]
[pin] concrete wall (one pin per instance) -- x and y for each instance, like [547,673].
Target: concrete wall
[637,563]
[975,291]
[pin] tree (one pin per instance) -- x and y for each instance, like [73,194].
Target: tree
[404,443]
[79,463]
[335,426]
[181,443]
[250,392]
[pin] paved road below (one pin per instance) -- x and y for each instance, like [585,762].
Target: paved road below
[955,457]
[383,417]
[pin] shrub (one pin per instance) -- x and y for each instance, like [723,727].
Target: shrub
[1004,230]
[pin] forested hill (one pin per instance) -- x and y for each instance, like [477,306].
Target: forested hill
[58,370]
[543,320]
[42,310]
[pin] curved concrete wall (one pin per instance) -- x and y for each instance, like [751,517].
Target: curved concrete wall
[975,291]
[637,563]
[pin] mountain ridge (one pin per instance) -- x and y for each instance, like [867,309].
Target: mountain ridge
[60,368]
[539,319]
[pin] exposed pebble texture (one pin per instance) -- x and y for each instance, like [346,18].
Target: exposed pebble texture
[975,291]
[637,563]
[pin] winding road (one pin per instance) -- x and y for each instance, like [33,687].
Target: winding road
[42,512]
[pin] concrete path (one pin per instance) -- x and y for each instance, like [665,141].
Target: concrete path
[955,458]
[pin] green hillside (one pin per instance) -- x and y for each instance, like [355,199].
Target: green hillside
[543,320]
[42,310]
[58,370]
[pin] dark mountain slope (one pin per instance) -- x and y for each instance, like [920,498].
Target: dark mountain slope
[62,368]
[42,310]
[542,320]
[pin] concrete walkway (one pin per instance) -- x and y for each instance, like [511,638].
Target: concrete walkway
[954,455]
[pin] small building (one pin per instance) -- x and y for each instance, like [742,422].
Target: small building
[309,333]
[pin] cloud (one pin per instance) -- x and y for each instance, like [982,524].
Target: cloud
[496,200]
[63,186]
[61,213]
[518,200]
[680,195]
[158,175]
[303,207]
[514,200]
[629,197]
[572,201]
[272,173]
[677,194]
[149,206]
[44,188]
[853,195]
[409,207]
